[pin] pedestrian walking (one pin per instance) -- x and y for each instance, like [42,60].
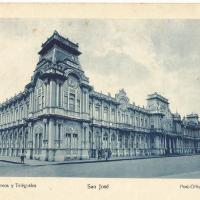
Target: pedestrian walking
[22,157]
[99,154]
[106,154]
[109,153]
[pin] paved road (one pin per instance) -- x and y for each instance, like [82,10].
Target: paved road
[169,167]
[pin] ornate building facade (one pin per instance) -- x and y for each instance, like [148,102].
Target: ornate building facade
[59,116]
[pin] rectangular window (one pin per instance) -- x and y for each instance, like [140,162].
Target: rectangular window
[142,122]
[68,140]
[137,121]
[72,102]
[105,114]
[126,141]
[132,120]
[113,115]
[123,118]
[127,119]
[75,141]
[97,112]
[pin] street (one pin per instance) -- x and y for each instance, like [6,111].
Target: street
[167,167]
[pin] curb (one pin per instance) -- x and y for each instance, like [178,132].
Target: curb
[112,160]
[95,161]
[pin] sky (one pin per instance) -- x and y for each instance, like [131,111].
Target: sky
[141,56]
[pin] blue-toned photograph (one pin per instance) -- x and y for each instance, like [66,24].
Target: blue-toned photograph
[100,98]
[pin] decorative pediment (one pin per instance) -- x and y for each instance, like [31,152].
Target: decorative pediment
[71,72]
[72,81]
[122,98]
[71,128]
[38,128]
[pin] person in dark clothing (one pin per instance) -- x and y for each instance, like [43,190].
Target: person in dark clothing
[22,157]
[109,153]
[99,154]
[106,154]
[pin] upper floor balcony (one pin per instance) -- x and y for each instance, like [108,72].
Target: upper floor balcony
[120,126]
[13,124]
[60,112]
[104,123]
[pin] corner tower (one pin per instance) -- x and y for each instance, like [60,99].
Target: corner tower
[59,49]
[59,99]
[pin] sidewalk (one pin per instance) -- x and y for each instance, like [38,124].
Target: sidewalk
[28,162]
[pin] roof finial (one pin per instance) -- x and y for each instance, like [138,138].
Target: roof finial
[55,32]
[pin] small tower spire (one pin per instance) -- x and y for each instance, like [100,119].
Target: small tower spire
[55,32]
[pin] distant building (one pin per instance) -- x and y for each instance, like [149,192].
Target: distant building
[59,116]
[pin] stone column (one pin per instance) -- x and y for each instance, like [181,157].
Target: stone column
[33,100]
[93,109]
[59,153]
[123,143]
[47,93]
[85,142]
[87,102]
[61,96]
[135,144]
[109,138]
[30,103]
[117,143]
[56,135]
[57,94]
[50,92]
[51,140]
[101,110]
[130,144]
[140,143]
[45,136]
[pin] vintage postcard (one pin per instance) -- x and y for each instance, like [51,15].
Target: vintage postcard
[100,101]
